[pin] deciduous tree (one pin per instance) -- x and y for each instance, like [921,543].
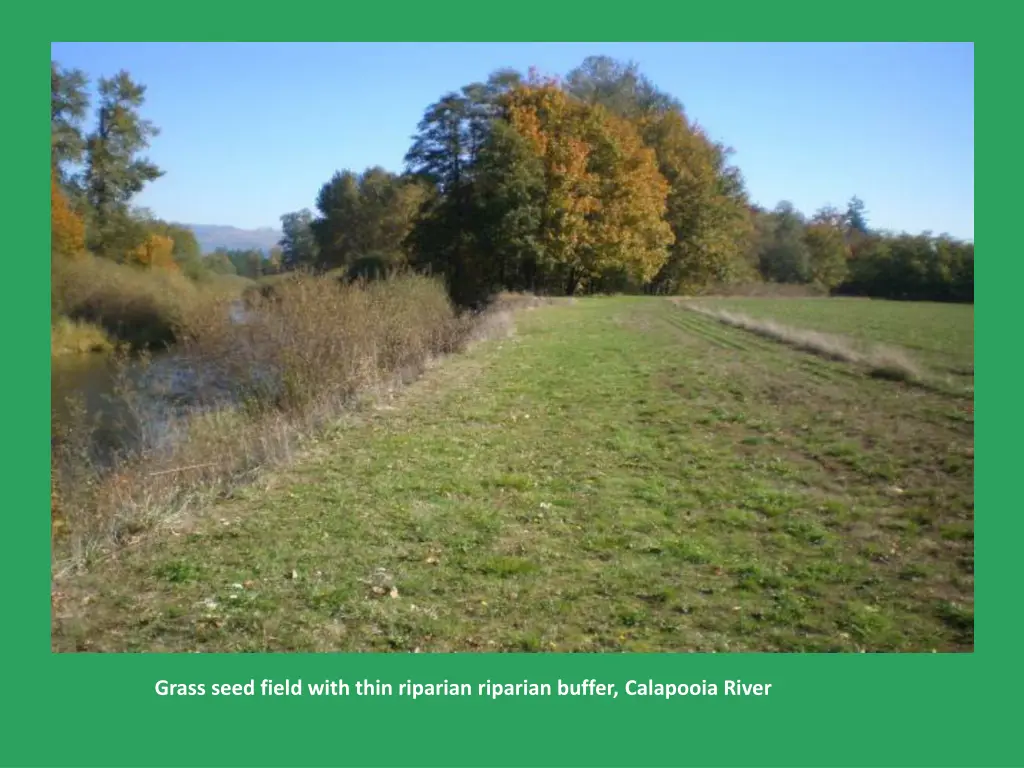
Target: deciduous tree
[67,230]
[298,243]
[827,254]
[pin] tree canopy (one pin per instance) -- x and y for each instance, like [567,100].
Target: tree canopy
[598,182]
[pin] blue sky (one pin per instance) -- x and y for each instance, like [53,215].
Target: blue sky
[250,131]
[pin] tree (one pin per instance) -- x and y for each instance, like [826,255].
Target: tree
[456,143]
[784,256]
[856,216]
[186,250]
[298,243]
[274,262]
[707,206]
[831,216]
[618,87]
[367,214]
[68,105]
[827,254]
[439,152]
[604,198]
[155,252]
[115,171]
[508,195]
[67,230]
[220,263]
[247,262]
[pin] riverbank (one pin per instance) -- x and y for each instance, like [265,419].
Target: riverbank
[620,475]
[142,307]
[254,395]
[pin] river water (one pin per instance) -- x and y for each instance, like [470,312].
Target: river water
[91,387]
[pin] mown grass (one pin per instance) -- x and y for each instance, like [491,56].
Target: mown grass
[620,476]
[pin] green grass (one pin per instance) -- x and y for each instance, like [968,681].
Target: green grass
[939,335]
[622,475]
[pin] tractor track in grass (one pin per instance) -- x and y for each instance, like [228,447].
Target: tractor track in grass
[723,336]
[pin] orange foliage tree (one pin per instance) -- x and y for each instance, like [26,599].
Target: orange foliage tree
[67,230]
[604,200]
[155,252]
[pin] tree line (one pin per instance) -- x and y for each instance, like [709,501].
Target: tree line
[96,172]
[597,182]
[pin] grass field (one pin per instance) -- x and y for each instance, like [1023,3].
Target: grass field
[940,335]
[621,475]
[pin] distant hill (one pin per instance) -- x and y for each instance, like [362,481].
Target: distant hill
[214,236]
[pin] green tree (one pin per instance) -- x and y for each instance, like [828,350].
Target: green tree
[508,196]
[220,263]
[827,254]
[455,141]
[856,216]
[619,87]
[69,102]
[784,255]
[115,169]
[298,243]
[708,208]
[367,214]
[248,262]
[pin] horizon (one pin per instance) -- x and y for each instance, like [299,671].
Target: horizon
[248,134]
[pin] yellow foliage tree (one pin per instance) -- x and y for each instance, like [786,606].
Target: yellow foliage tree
[155,252]
[706,209]
[604,200]
[631,234]
[67,230]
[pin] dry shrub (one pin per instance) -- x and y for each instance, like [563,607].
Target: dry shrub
[882,362]
[315,338]
[137,305]
[77,336]
[267,382]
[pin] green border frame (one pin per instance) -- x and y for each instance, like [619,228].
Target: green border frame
[823,710]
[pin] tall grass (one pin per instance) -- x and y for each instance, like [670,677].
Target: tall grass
[142,307]
[300,358]
[69,336]
[880,361]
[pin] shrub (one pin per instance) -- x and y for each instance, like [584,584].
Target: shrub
[266,381]
[133,304]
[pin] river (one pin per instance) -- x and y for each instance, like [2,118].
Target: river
[91,386]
